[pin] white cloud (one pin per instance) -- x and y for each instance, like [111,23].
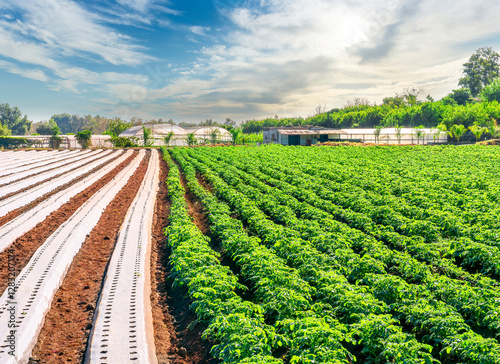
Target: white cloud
[272,57]
[34,74]
[61,28]
[288,56]
[199,30]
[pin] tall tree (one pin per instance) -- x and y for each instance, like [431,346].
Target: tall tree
[461,96]
[116,126]
[11,117]
[481,68]
[46,127]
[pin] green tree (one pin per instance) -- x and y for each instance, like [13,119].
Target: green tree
[4,131]
[440,130]
[491,92]
[11,117]
[376,133]
[462,96]
[235,135]
[147,137]
[55,139]
[478,131]
[492,129]
[399,135]
[214,136]
[67,123]
[84,138]
[116,126]
[46,127]
[480,70]
[419,133]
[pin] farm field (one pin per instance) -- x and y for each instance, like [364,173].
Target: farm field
[251,255]
[384,254]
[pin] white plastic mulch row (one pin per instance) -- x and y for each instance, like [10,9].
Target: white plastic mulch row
[27,157]
[40,165]
[123,323]
[11,156]
[21,199]
[18,155]
[28,220]
[34,160]
[22,312]
[37,178]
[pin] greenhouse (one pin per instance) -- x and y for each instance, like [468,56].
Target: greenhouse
[179,136]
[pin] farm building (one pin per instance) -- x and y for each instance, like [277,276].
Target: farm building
[201,134]
[301,135]
[313,135]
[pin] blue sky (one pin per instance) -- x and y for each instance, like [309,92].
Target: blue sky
[191,60]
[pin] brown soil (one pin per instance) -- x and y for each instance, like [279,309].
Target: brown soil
[67,325]
[195,209]
[13,214]
[163,322]
[490,142]
[25,246]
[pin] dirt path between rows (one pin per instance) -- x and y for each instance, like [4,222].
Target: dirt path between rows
[13,214]
[67,325]
[163,323]
[25,246]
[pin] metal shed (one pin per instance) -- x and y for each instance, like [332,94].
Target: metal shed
[301,135]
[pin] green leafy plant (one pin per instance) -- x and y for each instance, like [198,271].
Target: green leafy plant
[147,137]
[457,131]
[419,133]
[123,142]
[478,131]
[55,140]
[191,139]
[84,137]
[169,138]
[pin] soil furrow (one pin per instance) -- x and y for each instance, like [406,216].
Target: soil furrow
[67,325]
[25,246]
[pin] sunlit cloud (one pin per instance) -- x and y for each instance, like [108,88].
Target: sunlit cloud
[254,59]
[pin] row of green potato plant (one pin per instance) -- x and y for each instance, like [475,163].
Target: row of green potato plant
[443,325]
[479,185]
[389,209]
[415,245]
[238,326]
[285,297]
[478,304]
[379,335]
[370,169]
[473,254]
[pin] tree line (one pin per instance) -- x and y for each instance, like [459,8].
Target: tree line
[474,105]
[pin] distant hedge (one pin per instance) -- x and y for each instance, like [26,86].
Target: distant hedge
[8,142]
[428,114]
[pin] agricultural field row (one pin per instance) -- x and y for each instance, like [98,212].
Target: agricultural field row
[265,254]
[78,257]
[346,244]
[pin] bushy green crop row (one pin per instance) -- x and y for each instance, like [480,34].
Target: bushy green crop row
[346,259]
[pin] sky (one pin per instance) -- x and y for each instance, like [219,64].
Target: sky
[191,60]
